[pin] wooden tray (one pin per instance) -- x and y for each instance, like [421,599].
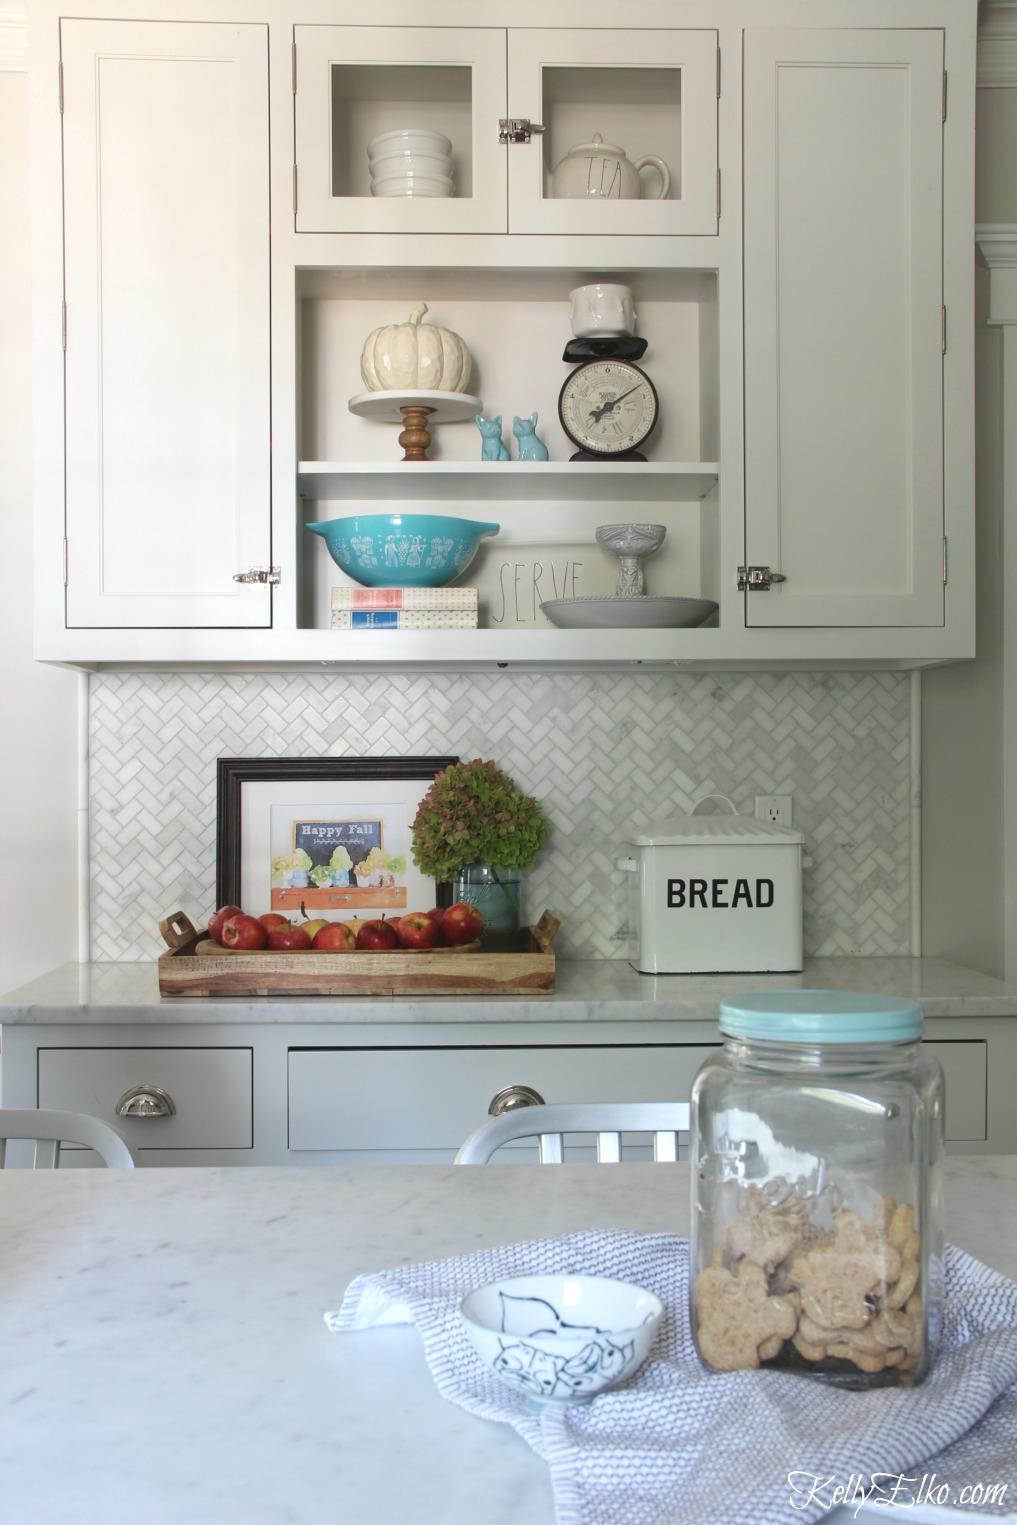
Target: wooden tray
[404,971]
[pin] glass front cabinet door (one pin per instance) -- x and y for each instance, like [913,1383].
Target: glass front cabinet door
[592,133]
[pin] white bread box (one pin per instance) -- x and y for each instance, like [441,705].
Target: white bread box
[715,894]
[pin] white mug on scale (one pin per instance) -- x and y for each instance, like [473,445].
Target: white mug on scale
[602,311]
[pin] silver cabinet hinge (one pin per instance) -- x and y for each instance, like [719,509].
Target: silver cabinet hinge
[757,579]
[65,560]
[63,325]
[718,193]
[944,561]
[718,74]
[271,575]
[943,331]
[516,129]
[294,190]
[60,86]
[293,67]
[944,94]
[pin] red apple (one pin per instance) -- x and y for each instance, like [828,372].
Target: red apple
[288,939]
[273,919]
[219,918]
[377,936]
[245,933]
[462,922]
[418,930]
[437,915]
[335,936]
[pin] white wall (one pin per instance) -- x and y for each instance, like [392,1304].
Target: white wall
[38,705]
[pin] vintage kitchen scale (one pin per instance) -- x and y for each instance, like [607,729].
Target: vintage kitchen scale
[608,406]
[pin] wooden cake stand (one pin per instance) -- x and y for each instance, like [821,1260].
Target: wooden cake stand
[416,411]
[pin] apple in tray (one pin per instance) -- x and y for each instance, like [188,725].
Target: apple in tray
[462,922]
[219,918]
[377,936]
[419,930]
[244,933]
[289,939]
[335,937]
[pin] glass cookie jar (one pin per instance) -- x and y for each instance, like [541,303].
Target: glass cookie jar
[817,1221]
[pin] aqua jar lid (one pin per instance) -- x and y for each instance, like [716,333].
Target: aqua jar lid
[821,1016]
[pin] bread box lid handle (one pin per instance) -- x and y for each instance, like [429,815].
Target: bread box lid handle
[713,830]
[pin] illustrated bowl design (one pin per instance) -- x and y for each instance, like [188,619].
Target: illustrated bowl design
[403,550]
[561,1339]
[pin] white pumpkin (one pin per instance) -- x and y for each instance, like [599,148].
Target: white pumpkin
[408,357]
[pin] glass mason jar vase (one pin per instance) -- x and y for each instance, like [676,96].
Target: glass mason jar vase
[497,894]
[817,1221]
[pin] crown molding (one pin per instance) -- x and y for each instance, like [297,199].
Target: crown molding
[997,45]
[13,36]
[996,244]
[997,41]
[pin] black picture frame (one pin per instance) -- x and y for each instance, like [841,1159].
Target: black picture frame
[238,777]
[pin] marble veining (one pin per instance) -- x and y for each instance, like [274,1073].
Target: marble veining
[587,990]
[163,1355]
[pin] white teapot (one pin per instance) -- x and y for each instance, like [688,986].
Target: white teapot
[600,169]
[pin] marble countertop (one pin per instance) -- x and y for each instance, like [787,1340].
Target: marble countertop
[586,991]
[163,1355]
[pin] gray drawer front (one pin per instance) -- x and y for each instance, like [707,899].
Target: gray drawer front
[432,1098]
[211,1088]
[965,1068]
[427,1098]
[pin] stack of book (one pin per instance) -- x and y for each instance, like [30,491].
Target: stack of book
[405,609]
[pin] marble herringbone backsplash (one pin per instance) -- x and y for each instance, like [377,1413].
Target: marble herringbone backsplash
[601,752]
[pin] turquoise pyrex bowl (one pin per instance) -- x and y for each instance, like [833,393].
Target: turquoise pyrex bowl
[403,550]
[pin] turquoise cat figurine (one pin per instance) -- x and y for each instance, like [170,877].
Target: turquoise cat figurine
[493,447]
[530,447]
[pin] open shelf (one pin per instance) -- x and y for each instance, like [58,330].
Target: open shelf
[464,481]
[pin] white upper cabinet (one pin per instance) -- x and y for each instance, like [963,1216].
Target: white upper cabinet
[166,277]
[796,230]
[843,197]
[513,105]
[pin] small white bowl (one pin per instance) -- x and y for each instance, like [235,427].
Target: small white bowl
[414,185]
[414,140]
[414,164]
[561,1339]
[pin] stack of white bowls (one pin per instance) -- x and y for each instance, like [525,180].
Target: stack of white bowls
[412,161]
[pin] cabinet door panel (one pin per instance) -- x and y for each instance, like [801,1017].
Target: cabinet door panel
[843,326]
[167,291]
[357,83]
[653,94]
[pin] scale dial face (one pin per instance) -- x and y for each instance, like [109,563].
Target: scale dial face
[608,407]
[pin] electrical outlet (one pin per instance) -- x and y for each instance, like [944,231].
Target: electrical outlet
[774,807]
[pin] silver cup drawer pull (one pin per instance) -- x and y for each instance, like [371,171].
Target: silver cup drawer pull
[146,1101]
[510,1098]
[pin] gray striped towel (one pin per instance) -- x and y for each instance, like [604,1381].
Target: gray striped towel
[681,1444]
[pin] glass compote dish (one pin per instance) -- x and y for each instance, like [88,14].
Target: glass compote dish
[631,543]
